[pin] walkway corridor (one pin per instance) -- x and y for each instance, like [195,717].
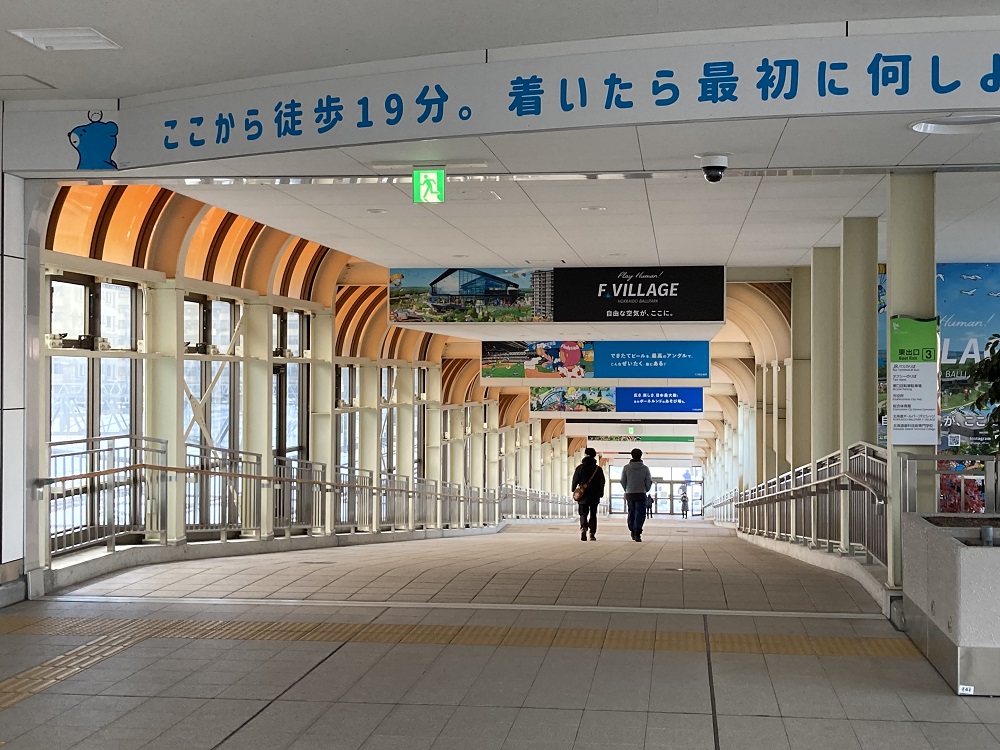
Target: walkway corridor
[684,565]
[483,643]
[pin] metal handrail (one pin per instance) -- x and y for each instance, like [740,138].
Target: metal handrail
[346,505]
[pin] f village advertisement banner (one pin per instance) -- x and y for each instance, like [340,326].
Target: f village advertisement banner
[635,294]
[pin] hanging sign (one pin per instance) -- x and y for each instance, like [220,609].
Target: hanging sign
[913,380]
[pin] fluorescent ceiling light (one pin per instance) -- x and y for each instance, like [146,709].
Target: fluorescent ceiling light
[418,165]
[61,40]
[958,125]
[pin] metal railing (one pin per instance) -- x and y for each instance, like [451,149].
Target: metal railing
[299,505]
[102,489]
[803,506]
[944,483]
[119,486]
[219,494]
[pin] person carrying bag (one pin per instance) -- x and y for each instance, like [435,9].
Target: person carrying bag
[588,489]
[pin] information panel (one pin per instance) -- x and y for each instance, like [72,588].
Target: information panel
[913,380]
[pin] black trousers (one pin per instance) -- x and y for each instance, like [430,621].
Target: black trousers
[588,516]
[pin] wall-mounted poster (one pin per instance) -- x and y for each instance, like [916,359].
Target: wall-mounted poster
[968,304]
[558,360]
[462,295]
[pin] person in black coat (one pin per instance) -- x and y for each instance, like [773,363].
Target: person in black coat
[592,475]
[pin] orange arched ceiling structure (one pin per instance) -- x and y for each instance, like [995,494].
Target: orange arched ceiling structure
[150,227]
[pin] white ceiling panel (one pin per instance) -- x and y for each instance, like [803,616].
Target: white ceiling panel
[325,162]
[938,149]
[751,143]
[451,153]
[692,186]
[984,150]
[846,141]
[371,195]
[588,150]
[588,192]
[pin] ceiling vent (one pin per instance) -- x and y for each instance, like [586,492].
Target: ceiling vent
[66,40]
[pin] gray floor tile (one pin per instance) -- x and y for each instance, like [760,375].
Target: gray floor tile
[943,736]
[606,728]
[890,735]
[480,722]
[820,734]
[564,679]
[743,685]
[545,725]
[621,681]
[752,733]
[670,731]
[507,677]
[415,721]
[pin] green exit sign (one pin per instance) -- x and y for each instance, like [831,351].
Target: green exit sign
[428,186]
[631,430]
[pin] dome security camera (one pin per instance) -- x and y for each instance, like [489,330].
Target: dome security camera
[714,166]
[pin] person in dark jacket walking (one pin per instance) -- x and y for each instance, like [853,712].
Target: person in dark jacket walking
[636,481]
[592,475]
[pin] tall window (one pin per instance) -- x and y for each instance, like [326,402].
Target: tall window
[348,415]
[212,375]
[290,384]
[94,369]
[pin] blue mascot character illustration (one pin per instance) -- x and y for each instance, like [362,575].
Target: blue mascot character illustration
[95,142]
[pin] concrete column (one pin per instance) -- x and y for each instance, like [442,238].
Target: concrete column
[164,390]
[477,447]
[778,419]
[456,446]
[548,458]
[433,426]
[535,481]
[911,291]
[493,457]
[509,456]
[824,389]
[523,455]
[258,371]
[858,345]
[760,422]
[406,380]
[797,405]
[369,432]
[565,470]
[321,389]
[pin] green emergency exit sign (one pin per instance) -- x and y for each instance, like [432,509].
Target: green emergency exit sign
[428,186]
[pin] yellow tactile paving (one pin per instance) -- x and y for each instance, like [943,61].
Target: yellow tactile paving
[735,643]
[793,645]
[683,642]
[382,633]
[481,635]
[630,639]
[839,646]
[529,637]
[432,634]
[891,648]
[332,632]
[579,638]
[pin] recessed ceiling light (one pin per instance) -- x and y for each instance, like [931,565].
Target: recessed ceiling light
[615,255]
[376,211]
[958,125]
[379,167]
[459,256]
[62,40]
[594,208]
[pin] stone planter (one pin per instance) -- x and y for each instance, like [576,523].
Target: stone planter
[951,598]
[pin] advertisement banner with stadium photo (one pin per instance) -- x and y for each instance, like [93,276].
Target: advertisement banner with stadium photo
[464,295]
[646,294]
[571,360]
[590,400]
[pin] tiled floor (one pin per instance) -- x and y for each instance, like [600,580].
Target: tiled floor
[168,668]
[678,565]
